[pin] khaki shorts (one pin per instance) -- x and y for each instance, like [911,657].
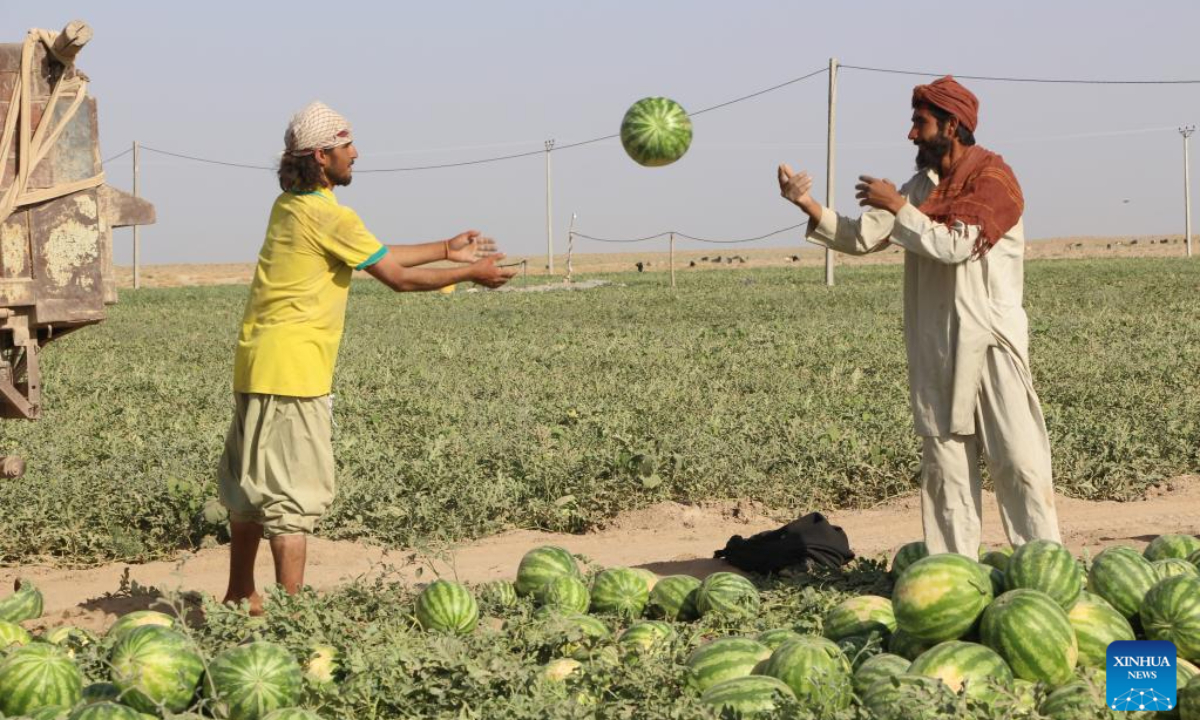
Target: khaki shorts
[277,468]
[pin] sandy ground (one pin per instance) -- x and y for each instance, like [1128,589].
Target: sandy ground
[717,257]
[668,538]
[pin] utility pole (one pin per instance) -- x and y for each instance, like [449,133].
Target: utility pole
[137,278]
[570,246]
[549,226]
[1186,132]
[830,157]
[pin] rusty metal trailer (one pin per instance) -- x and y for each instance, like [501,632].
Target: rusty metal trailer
[56,212]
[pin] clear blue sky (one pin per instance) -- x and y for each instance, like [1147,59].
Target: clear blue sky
[428,83]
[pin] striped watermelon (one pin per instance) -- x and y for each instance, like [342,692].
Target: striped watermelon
[100,692]
[248,681]
[998,559]
[941,597]
[674,598]
[1031,631]
[566,592]
[1194,558]
[862,615]
[1122,576]
[156,667]
[907,646]
[71,639]
[816,671]
[1185,670]
[620,591]
[293,714]
[656,131]
[996,577]
[907,697]
[24,604]
[57,712]
[959,663]
[136,619]
[883,665]
[37,676]
[776,637]
[541,565]
[746,696]
[1097,624]
[105,711]
[646,635]
[12,635]
[1076,701]
[1171,546]
[576,633]
[727,595]
[724,659]
[498,594]
[1189,700]
[907,555]
[1170,567]
[321,665]
[649,576]
[1045,566]
[1171,611]
[447,607]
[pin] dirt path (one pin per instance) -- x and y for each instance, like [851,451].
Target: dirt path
[667,538]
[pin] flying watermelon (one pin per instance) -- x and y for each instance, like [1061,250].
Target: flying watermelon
[656,131]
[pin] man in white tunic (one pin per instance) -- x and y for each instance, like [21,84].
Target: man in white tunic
[959,221]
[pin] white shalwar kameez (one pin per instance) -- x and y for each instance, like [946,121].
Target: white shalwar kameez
[971,390]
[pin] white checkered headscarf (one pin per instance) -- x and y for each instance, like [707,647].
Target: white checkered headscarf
[316,127]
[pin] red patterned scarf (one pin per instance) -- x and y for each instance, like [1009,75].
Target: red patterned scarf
[979,190]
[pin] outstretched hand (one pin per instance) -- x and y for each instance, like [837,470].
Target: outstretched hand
[488,273]
[878,193]
[795,187]
[469,246]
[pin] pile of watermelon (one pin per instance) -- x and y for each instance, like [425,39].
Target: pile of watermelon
[1024,632]
[154,670]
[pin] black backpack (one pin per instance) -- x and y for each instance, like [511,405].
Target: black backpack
[810,539]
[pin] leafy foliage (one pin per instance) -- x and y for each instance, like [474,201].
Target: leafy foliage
[462,415]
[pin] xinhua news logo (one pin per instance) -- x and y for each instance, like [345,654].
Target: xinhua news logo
[1141,675]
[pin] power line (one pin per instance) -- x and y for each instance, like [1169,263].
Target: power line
[622,240]
[743,240]
[499,158]
[118,156]
[1023,79]
[690,237]
[760,92]
[206,160]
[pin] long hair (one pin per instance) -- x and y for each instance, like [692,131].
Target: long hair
[300,173]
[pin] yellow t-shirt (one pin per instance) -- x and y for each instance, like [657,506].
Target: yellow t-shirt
[293,322]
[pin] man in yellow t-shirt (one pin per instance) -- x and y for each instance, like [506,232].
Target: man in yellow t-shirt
[276,473]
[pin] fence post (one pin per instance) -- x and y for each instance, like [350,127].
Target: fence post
[830,156]
[137,276]
[672,261]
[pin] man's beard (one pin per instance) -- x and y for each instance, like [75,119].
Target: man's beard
[931,152]
[339,180]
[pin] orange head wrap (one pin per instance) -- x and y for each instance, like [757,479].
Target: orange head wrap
[947,94]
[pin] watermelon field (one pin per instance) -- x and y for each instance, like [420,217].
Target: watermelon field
[462,415]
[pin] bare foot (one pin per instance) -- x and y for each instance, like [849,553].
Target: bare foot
[255,602]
